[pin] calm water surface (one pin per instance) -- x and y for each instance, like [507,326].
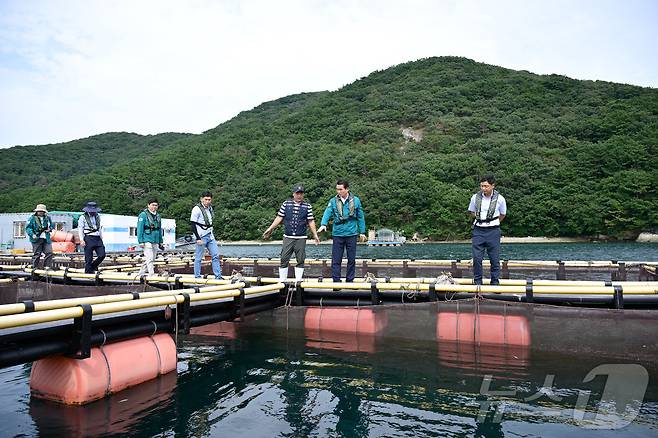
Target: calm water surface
[288,383]
[265,384]
[442,251]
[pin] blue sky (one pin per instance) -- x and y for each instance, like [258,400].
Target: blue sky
[71,69]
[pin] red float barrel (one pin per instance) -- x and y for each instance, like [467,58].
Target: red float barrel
[63,247]
[61,236]
[483,328]
[346,320]
[345,329]
[110,369]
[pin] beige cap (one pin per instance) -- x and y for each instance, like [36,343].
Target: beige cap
[41,207]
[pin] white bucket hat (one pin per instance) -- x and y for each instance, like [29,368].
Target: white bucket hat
[41,207]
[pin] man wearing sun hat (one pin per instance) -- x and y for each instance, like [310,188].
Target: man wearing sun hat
[38,229]
[91,236]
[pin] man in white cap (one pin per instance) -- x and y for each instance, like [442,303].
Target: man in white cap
[91,236]
[296,214]
[38,229]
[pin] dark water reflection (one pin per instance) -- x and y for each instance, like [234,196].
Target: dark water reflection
[264,380]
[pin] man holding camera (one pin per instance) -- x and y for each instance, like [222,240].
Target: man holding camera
[348,222]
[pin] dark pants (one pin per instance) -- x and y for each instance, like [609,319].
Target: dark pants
[93,243]
[42,246]
[486,238]
[339,245]
[290,246]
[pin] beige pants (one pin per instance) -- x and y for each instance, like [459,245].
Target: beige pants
[150,253]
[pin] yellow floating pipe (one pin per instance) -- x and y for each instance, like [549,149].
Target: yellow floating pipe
[506,282]
[10,321]
[606,290]
[39,306]
[119,276]
[12,267]
[24,319]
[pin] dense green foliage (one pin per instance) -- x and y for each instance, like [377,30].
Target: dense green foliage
[42,166]
[573,158]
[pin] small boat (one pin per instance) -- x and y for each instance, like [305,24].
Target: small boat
[385,237]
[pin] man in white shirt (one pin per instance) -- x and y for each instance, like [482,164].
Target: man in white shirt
[91,236]
[488,207]
[202,227]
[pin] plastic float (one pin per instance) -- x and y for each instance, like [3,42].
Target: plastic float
[109,369]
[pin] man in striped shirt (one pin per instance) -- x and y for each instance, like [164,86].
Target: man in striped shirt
[296,214]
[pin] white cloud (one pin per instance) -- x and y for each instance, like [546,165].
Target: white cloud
[73,69]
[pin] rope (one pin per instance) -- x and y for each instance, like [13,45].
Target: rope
[288,301]
[176,331]
[48,285]
[104,336]
[156,349]
[109,370]
[476,325]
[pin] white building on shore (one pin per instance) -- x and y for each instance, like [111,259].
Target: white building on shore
[119,232]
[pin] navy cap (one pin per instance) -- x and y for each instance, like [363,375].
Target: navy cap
[91,207]
[298,188]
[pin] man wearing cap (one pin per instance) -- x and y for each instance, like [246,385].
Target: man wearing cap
[349,221]
[38,229]
[296,214]
[488,207]
[91,236]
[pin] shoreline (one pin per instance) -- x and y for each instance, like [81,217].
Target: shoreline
[504,239]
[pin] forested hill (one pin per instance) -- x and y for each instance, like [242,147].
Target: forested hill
[41,166]
[573,158]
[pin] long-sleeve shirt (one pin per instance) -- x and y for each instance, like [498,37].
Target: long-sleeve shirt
[84,228]
[144,231]
[350,226]
[32,228]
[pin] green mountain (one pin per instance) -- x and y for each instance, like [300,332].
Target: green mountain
[573,158]
[42,166]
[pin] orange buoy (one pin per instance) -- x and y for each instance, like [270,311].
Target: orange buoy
[483,328]
[63,247]
[346,320]
[494,359]
[346,329]
[61,236]
[348,342]
[109,369]
[112,415]
[223,329]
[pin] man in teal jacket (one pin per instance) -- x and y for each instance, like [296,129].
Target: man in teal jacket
[38,229]
[349,221]
[149,235]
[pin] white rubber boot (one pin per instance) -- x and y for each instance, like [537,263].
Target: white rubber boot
[283,274]
[299,274]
